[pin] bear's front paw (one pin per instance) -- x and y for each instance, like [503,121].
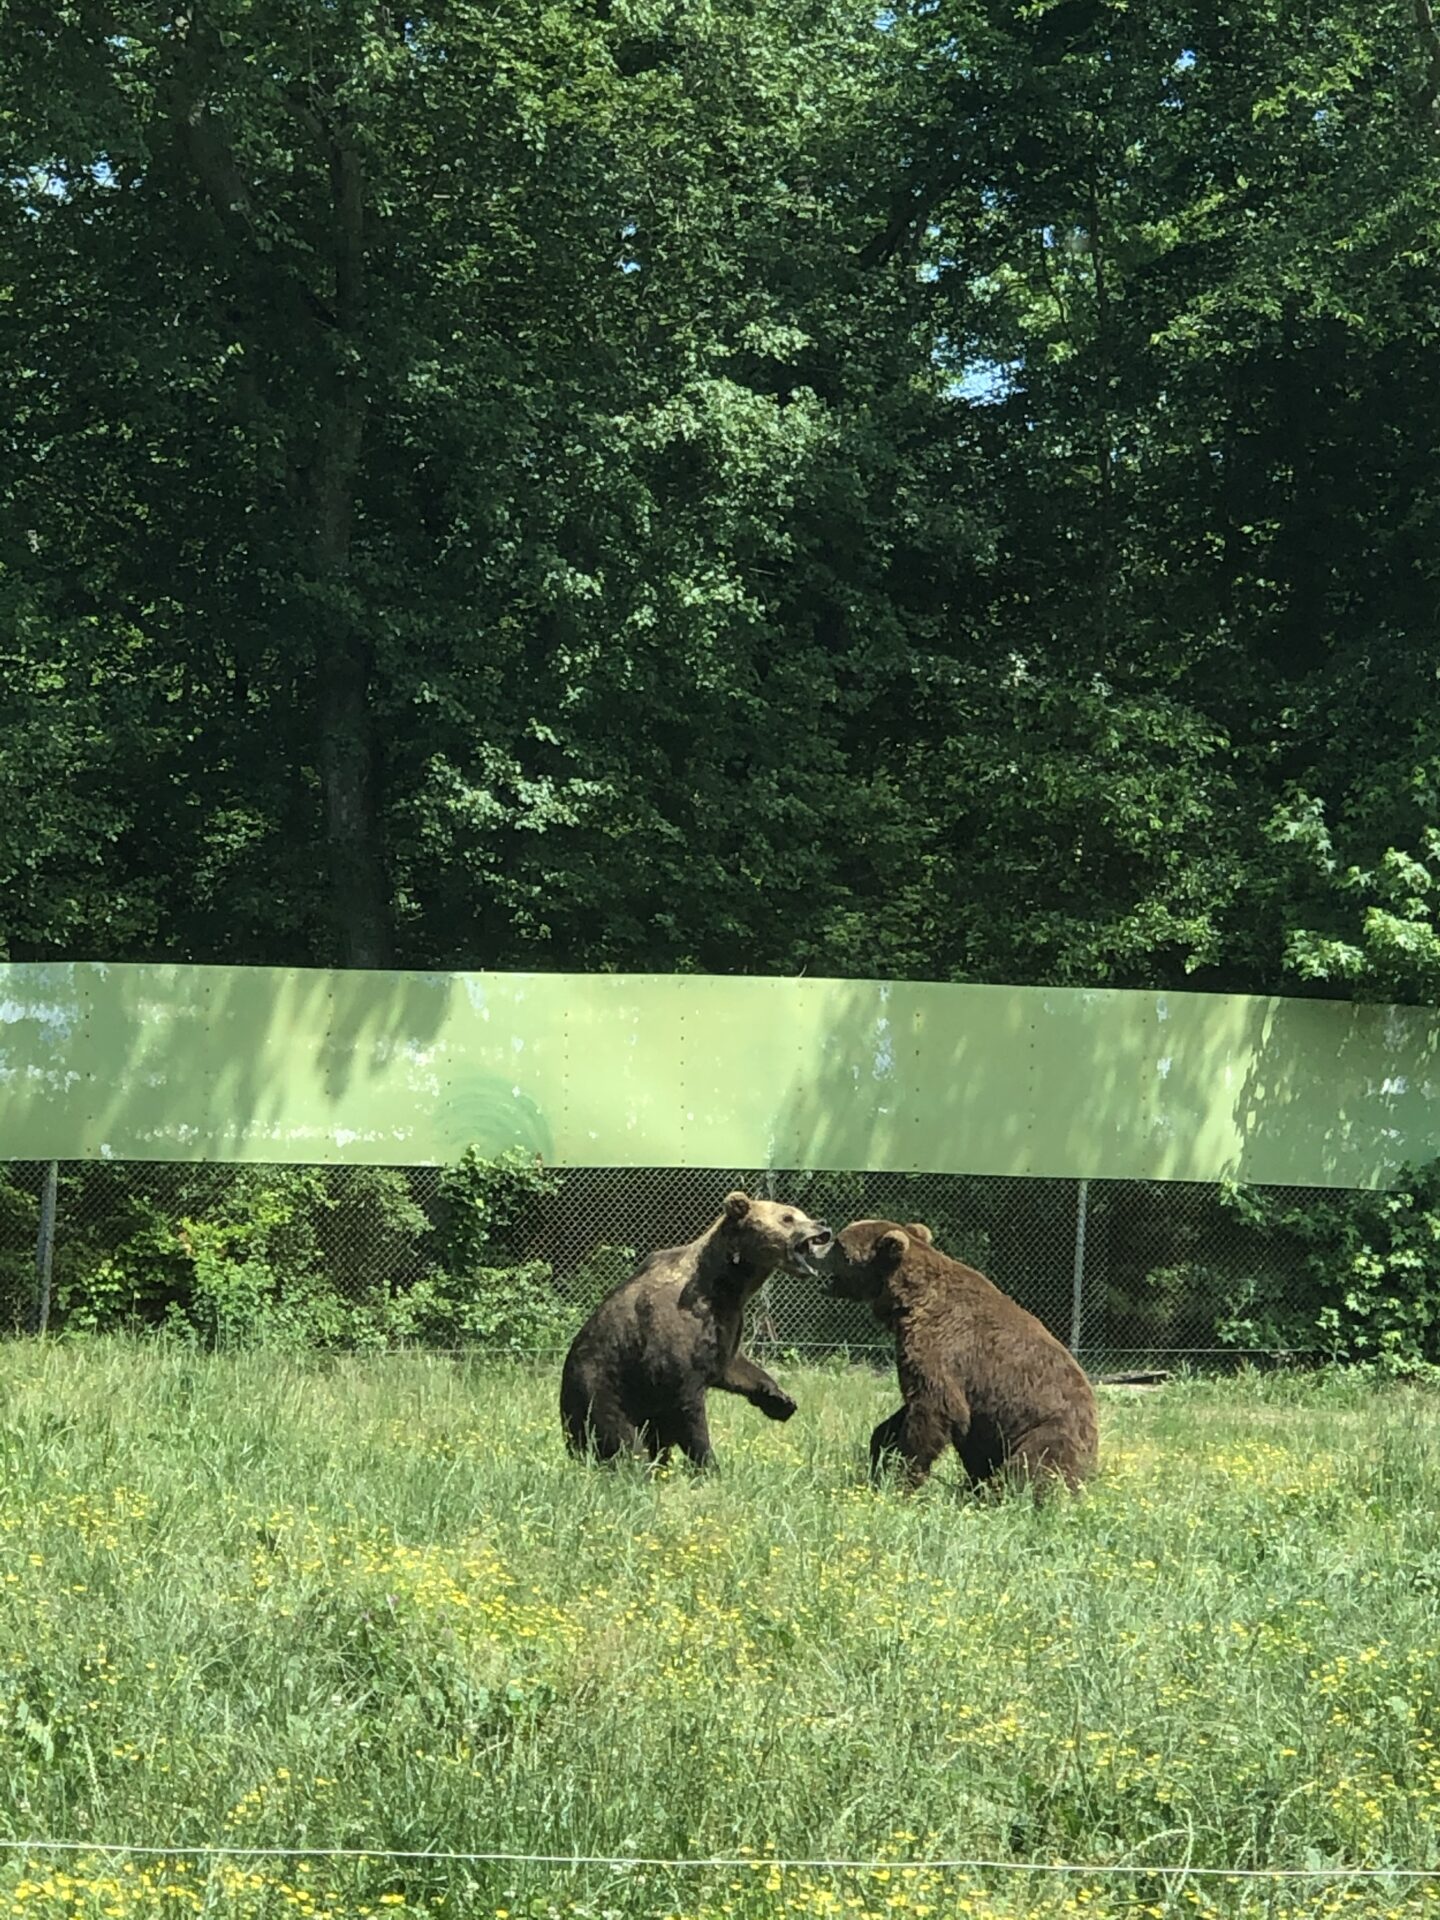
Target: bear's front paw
[777,1406]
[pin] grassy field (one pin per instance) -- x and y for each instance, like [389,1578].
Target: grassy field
[371,1604]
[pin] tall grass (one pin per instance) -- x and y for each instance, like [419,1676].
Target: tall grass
[347,1604]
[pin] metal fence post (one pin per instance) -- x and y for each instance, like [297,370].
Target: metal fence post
[764,1320]
[45,1246]
[1077,1298]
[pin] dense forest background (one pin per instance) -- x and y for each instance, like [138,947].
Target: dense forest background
[742,485]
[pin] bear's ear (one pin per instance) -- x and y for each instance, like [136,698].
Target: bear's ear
[892,1247]
[737,1205]
[917,1230]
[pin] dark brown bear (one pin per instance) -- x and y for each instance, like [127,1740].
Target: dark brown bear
[977,1371]
[638,1371]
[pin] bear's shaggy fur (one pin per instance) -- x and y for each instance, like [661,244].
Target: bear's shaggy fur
[636,1376]
[977,1371]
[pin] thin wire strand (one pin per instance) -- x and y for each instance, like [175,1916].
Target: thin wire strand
[476,1350]
[624,1862]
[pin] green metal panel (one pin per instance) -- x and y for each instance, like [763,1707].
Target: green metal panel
[263,1064]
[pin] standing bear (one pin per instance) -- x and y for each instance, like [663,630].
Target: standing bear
[977,1371]
[637,1373]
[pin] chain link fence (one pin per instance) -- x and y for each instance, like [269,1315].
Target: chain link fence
[1131,1274]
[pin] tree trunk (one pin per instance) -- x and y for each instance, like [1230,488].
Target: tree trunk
[348,748]
[359,893]
[322,325]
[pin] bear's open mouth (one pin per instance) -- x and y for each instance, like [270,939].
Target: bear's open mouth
[803,1255]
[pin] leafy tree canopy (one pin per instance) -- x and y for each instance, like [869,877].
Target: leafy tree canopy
[744,485]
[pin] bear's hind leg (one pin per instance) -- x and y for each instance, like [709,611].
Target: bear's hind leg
[919,1433]
[885,1443]
[602,1432]
[689,1430]
[655,1442]
[1047,1457]
[982,1454]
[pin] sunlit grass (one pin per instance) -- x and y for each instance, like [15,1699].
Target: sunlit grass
[346,1604]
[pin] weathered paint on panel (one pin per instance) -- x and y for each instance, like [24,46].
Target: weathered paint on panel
[270,1064]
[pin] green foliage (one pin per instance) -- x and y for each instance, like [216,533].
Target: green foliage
[488,1205]
[128,1268]
[19,1228]
[233,1257]
[231,1300]
[513,1310]
[941,490]
[304,1257]
[1355,1276]
[486,1288]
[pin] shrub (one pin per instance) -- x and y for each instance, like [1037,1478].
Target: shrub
[513,1309]
[1355,1276]
[229,1257]
[489,1288]
[488,1206]
[19,1228]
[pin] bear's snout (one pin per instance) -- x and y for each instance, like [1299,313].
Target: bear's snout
[846,1271]
[812,1242]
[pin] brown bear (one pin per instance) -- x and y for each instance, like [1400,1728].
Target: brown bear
[637,1373]
[977,1371]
